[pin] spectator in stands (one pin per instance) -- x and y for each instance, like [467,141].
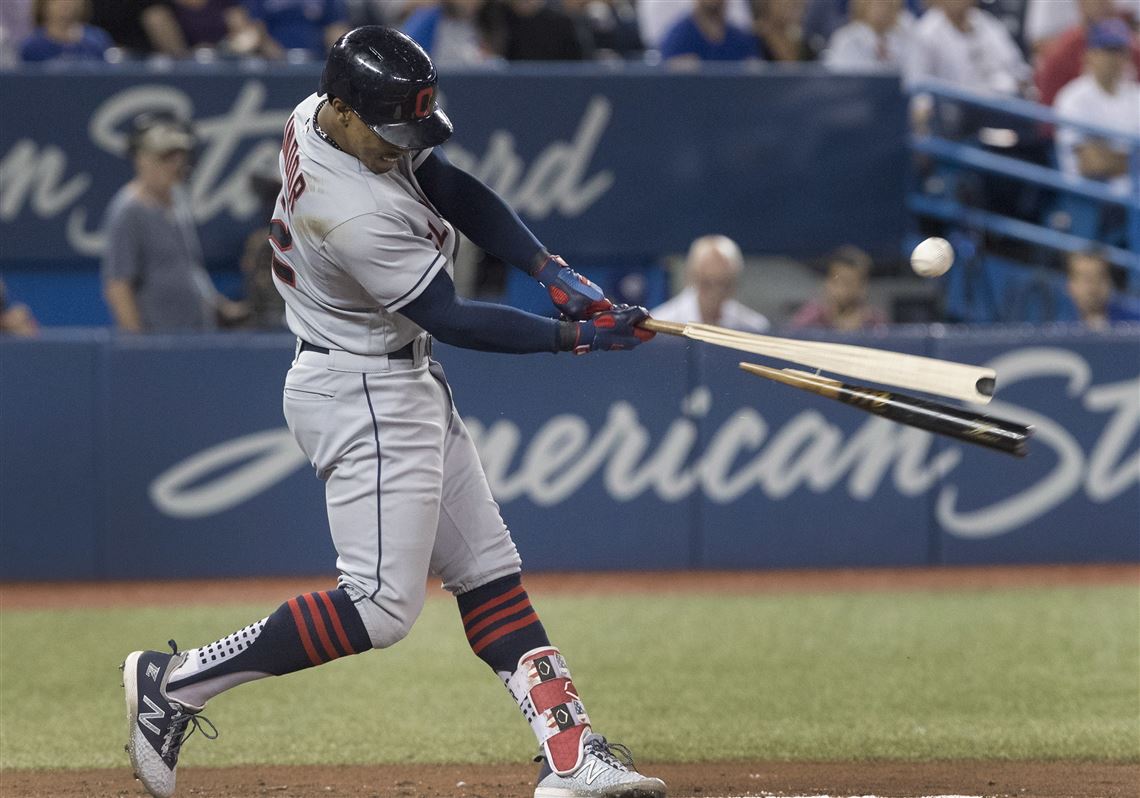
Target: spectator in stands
[707,35]
[392,13]
[141,27]
[1090,287]
[61,33]
[450,32]
[1064,59]
[1046,20]
[876,38]
[304,28]
[1103,96]
[843,304]
[16,318]
[610,24]
[657,18]
[779,27]
[15,26]
[957,42]
[153,276]
[223,24]
[712,275]
[533,30]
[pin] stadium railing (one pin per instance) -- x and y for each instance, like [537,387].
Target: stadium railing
[1076,195]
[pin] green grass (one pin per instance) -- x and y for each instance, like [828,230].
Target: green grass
[1011,674]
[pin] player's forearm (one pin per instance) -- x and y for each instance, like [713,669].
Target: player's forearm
[478,212]
[483,325]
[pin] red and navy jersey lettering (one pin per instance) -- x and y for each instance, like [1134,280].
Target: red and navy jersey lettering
[294,185]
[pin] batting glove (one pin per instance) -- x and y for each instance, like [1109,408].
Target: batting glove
[612,330]
[575,296]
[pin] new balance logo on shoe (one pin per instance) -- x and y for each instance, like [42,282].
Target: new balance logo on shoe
[591,770]
[158,727]
[156,713]
[607,772]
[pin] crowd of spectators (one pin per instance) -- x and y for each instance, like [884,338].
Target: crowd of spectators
[1080,56]
[958,40]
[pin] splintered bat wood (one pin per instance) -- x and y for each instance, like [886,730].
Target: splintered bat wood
[929,375]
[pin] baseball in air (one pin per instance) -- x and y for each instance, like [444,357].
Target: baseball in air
[932,258]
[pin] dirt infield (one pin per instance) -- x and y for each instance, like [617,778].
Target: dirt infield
[697,780]
[707,780]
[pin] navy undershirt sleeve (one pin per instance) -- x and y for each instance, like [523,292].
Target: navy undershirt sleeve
[485,326]
[478,212]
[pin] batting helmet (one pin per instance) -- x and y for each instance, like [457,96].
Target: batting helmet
[390,83]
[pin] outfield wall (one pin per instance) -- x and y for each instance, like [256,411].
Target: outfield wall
[127,457]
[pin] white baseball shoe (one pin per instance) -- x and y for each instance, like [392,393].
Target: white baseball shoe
[607,771]
[157,726]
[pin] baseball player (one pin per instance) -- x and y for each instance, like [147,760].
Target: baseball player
[364,238]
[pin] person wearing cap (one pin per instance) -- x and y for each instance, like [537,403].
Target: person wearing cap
[1105,96]
[1063,58]
[153,275]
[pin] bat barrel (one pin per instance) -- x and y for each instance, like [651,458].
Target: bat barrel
[984,430]
[977,428]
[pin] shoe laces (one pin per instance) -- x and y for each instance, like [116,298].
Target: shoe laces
[177,734]
[615,755]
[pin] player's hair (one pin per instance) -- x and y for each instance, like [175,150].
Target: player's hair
[39,12]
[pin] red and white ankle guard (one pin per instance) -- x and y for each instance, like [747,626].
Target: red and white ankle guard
[542,687]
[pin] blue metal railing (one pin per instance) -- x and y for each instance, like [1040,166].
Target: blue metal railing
[974,157]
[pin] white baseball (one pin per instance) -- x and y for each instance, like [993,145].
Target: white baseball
[932,258]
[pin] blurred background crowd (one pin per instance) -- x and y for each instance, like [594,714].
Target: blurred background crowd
[1078,59]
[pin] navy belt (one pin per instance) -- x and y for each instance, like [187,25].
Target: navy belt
[405,352]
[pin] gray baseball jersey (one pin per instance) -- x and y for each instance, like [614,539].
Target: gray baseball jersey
[357,246]
[405,490]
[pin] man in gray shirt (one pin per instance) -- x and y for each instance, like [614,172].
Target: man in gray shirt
[153,277]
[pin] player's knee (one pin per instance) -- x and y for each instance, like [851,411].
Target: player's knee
[387,622]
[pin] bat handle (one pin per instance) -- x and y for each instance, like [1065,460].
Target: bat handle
[667,327]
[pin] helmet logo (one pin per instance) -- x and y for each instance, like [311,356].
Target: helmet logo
[424,102]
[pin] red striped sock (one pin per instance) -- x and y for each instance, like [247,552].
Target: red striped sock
[500,623]
[305,631]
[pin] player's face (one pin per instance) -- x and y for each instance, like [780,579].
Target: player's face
[371,150]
